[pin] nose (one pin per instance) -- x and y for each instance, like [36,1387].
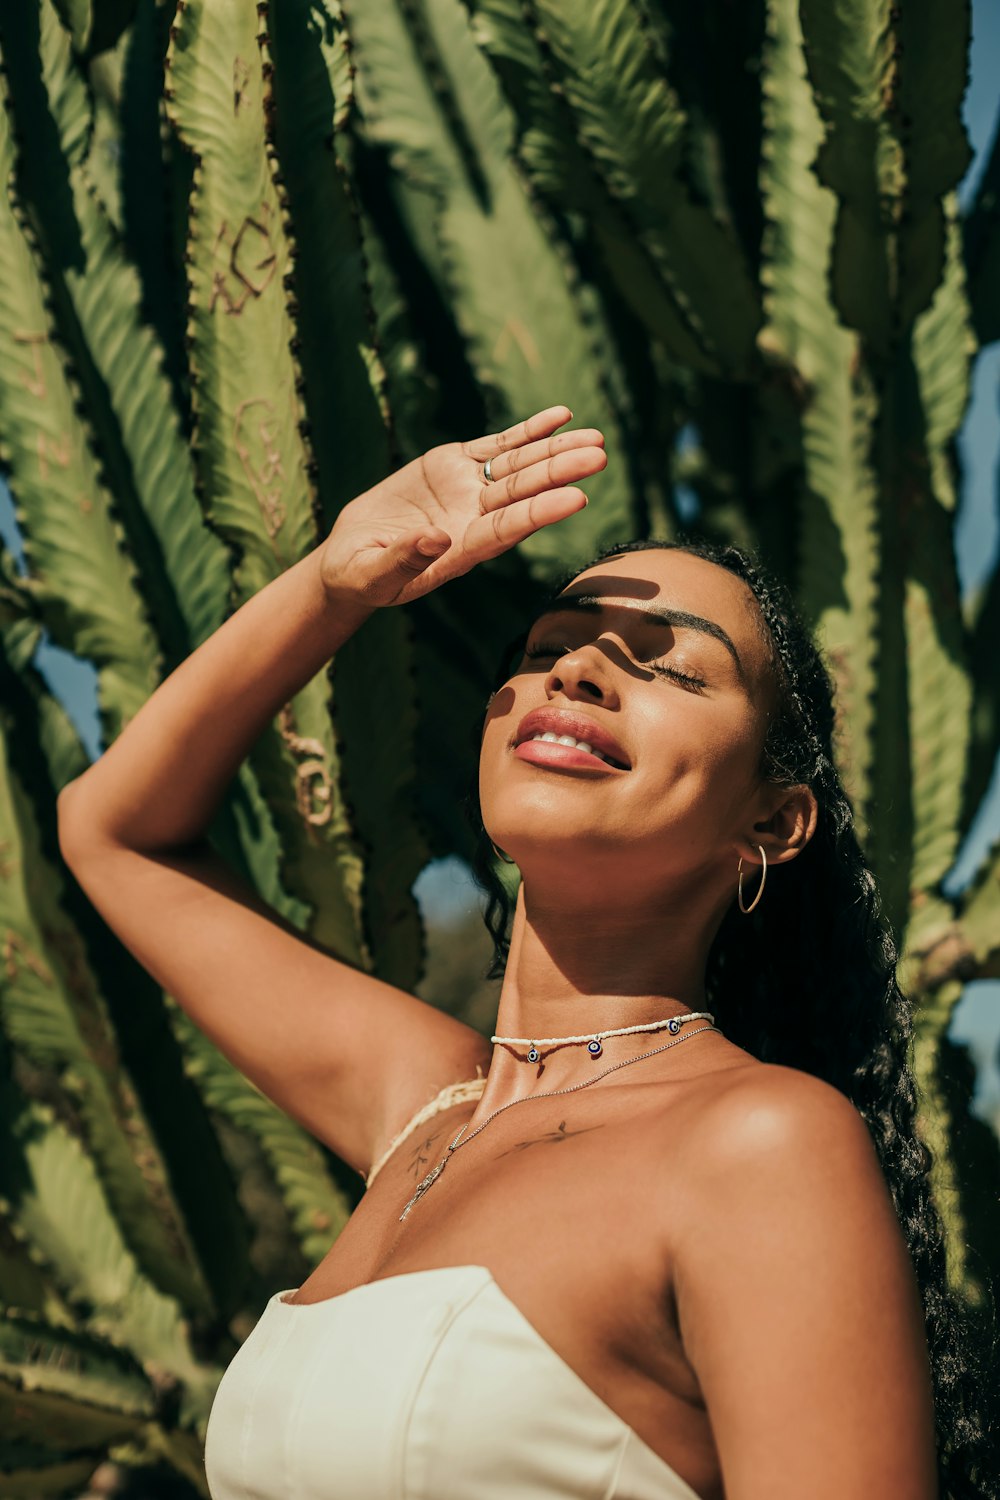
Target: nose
[584,674]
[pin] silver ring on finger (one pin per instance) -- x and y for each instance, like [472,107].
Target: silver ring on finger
[488,472]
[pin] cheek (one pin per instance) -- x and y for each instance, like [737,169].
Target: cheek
[708,760]
[500,716]
[493,745]
[731,748]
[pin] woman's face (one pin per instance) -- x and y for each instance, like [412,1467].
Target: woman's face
[659,659]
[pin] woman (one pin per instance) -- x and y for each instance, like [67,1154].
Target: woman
[668,1263]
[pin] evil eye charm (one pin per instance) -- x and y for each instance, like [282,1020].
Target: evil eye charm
[674,1026]
[533,1054]
[594,1048]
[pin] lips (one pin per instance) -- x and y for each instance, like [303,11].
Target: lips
[580,726]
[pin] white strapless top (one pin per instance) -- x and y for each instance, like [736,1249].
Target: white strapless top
[426,1385]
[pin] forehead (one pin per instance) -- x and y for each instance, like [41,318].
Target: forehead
[683,582]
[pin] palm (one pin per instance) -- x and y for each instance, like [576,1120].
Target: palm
[443,494]
[440,488]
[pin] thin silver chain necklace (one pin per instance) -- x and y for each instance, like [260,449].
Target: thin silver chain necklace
[435,1172]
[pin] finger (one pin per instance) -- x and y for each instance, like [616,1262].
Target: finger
[540,425]
[499,530]
[505,464]
[552,473]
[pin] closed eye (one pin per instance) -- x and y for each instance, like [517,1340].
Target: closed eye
[688,678]
[534,651]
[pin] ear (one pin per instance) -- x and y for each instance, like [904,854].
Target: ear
[786,829]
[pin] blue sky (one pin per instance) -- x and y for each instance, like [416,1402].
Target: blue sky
[445,886]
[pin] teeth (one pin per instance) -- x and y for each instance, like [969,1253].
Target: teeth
[549,738]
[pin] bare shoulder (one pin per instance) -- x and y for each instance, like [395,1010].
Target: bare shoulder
[796,1296]
[775,1140]
[773,1110]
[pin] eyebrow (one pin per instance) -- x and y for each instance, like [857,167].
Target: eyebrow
[595,603]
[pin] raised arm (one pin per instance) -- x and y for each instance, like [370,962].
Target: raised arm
[345,1054]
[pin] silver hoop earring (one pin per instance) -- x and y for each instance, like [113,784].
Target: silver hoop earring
[760,889]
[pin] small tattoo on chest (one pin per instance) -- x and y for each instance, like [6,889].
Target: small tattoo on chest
[428,1147]
[551,1137]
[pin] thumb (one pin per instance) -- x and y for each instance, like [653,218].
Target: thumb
[412,553]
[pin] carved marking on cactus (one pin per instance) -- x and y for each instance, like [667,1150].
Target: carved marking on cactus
[14,944]
[515,332]
[308,791]
[219,289]
[250,259]
[33,384]
[86,504]
[300,744]
[255,429]
[254,261]
[56,449]
[241,80]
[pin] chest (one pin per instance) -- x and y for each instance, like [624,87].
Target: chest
[571,1205]
[567,1195]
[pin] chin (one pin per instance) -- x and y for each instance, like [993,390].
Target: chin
[537,812]
[546,837]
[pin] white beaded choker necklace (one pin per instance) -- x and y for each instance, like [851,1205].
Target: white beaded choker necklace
[594,1038]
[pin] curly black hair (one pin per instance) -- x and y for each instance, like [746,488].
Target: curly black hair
[856,1031]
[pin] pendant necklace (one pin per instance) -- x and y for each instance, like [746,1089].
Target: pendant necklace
[673,1024]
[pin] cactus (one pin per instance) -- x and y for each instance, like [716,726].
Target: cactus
[256,256]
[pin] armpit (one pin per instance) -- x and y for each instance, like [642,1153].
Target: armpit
[452,1093]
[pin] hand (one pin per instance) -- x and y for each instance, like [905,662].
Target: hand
[437,517]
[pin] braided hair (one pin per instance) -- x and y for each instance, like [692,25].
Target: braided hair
[855,1032]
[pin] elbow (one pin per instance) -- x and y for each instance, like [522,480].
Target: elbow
[70,825]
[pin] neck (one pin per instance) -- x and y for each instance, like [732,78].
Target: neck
[571,972]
